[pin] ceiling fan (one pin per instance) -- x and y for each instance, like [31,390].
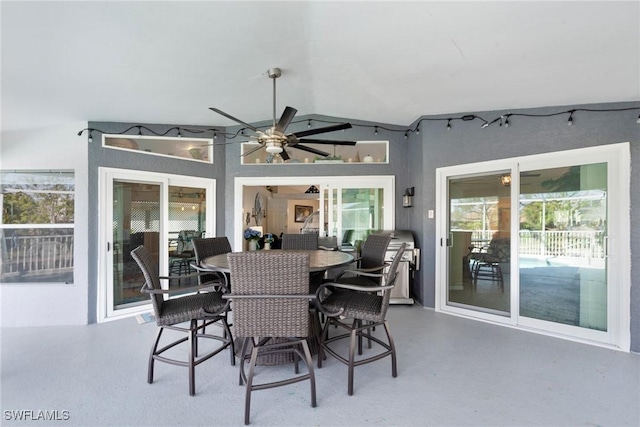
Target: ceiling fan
[274,139]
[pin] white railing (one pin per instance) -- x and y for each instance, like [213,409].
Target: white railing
[28,256]
[574,244]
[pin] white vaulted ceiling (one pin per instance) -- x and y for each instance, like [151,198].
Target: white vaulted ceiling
[387,62]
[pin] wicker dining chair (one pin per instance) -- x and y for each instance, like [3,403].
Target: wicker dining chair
[371,260]
[308,241]
[270,301]
[357,309]
[487,264]
[207,247]
[300,241]
[208,307]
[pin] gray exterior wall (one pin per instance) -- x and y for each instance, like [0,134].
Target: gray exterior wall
[413,161]
[466,142]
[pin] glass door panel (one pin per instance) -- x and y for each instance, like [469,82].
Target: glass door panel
[136,221]
[562,256]
[187,219]
[354,213]
[479,233]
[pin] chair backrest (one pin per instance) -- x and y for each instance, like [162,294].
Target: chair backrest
[300,241]
[185,240]
[270,273]
[207,247]
[151,276]
[346,237]
[374,250]
[330,242]
[500,249]
[390,278]
[210,246]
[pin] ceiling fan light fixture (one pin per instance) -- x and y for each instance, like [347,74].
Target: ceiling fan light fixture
[273,147]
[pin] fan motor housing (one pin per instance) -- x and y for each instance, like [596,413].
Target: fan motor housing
[274,73]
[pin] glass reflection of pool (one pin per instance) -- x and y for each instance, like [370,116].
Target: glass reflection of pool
[531,261]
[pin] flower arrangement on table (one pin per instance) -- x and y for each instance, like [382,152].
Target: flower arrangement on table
[268,240]
[251,235]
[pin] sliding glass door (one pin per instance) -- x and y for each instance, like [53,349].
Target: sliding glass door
[161,212]
[563,245]
[478,249]
[539,242]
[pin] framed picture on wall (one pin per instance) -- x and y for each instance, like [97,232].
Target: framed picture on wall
[302,212]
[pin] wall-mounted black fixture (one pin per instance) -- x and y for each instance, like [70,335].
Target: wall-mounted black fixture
[407,198]
[312,190]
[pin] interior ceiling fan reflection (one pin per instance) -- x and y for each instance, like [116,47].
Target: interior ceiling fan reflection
[274,140]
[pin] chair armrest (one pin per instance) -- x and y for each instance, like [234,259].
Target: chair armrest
[333,285]
[203,287]
[212,271]
[370,272]
[146,290]
[182,276]
[351,287]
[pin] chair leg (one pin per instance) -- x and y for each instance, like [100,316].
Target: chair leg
[227,334]
[193,349]
[194,329]
[243,350]
[476,271]
[358,324]
[352,351]
[296,362]
[252,368]
[312,377]
[151,356]
[394,365]
[323,337]
[500,277]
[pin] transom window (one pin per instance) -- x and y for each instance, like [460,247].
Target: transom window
[194,149]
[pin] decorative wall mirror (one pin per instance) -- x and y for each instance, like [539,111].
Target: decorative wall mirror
[259,209]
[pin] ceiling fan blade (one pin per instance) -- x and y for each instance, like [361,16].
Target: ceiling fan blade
[229,116]
[287,115]
[325,141]
[253,150]
[284,155]
[326,129]
[310,150]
